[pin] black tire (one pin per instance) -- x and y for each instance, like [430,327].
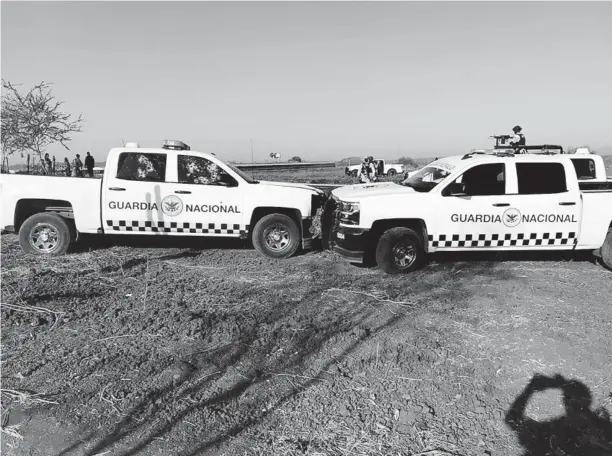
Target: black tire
[354,173]
[391,173]
[46,233]
[606,251]
[389,250]
[283,246]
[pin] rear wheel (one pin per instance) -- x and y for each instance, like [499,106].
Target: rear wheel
[391,173]
[399,250]
[276,236]
[606,250]
[45,234]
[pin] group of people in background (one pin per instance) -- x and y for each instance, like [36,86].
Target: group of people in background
[74,169]
[368,172]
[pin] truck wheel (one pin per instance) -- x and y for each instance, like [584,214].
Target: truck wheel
[399,250]
[354,173]
[46,234]
[606,250]
[391,173]
[276,236]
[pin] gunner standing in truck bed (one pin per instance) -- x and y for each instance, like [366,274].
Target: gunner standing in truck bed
[518,139]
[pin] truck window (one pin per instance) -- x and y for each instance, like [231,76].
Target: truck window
[541,178]
[585,167]
[481,180]
[142,167]
[199,170]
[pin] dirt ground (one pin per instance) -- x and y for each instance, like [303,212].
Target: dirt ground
[183,347]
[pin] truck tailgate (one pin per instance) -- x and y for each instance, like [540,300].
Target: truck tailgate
[83,194]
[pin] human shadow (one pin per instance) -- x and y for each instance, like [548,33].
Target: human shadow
[580,432]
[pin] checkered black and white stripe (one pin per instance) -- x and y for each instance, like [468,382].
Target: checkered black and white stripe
[178,227]
[502,240]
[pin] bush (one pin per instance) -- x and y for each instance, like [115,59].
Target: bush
[296,159]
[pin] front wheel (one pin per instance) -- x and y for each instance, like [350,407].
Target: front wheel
[354,173]
[606,250]
[276,236]
[391,173]
[46,234]
[399,250]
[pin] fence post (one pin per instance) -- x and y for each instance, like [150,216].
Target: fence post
[28,166]
[54,165]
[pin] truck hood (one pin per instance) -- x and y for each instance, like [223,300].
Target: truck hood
[361,191]
[290,185]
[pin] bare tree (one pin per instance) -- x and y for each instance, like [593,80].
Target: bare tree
[33,121]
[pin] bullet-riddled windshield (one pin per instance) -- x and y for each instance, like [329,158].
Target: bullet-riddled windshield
[426,179]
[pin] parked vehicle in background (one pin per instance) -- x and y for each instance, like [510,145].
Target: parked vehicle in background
[383,168]
[478,201]
[168,191]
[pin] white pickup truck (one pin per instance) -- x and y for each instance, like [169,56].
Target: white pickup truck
[383,168]
[159,191]
[472,202]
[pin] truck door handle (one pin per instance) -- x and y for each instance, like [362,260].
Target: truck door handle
[565,203]
[501,204]
[117,189]
[182,191]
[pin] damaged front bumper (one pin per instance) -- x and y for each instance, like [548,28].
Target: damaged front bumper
[350,243]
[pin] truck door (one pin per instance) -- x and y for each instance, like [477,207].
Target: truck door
[547,209]
[470,212]
[133,195]
[208,200]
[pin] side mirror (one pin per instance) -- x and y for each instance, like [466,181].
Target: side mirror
[227,181]
[455,188]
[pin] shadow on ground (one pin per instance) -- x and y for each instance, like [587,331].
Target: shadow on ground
[223,391]
[580,432]
[88,243]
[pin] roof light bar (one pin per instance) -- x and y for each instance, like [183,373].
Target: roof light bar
[174,145]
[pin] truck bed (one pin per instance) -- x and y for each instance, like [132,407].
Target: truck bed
[588,186]
[82,194]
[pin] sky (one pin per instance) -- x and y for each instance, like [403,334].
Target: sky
[319,80]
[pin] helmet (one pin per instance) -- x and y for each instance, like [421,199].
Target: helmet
[517,129]
[370,158]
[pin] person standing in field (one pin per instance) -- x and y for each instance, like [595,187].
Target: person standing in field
[67,168]
[368,171]
[89,164]
[77,167]
[47,165]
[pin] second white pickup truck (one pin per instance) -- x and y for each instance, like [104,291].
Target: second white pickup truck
[473,202]
[383,168]
[169,191]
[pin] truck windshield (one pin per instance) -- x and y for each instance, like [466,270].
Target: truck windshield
[426,179]
[242,174]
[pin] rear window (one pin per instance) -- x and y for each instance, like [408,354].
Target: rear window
[142,167]
[541,178]
[585,167]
